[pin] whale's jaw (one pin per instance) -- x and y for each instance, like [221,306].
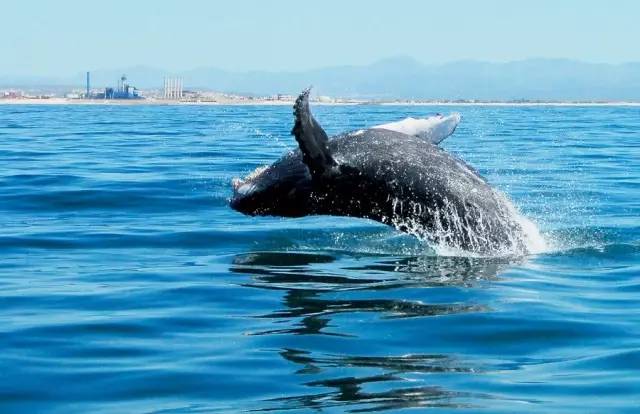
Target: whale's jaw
[281,189]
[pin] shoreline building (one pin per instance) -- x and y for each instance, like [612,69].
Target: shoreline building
[173,88]
[125,91]
[122,91]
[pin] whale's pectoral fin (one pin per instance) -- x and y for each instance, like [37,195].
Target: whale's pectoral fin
[312,139]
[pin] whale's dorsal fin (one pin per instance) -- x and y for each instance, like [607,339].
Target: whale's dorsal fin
[312,139]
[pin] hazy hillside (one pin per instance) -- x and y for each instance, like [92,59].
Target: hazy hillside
[551,79]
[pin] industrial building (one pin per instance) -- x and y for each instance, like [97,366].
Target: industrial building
[173,88]
[122,91]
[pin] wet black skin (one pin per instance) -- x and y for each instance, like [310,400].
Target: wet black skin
[392,178]
[378,169]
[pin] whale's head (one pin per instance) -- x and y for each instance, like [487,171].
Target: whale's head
[280,189]
[286,187]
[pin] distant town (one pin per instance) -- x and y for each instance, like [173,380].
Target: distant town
[172,91]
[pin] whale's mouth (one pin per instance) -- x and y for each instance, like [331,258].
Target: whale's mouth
[245,188]
[242,191]
[246,185]
[242,188]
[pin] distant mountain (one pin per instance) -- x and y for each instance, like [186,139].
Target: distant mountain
[404,78]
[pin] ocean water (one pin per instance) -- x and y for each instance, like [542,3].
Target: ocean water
[127,284]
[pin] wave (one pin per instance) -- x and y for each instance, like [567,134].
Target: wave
[45,193]
[114,240]
[368,238]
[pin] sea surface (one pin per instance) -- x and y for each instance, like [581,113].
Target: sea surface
[127,284]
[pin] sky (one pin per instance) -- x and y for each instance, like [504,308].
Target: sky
[63,37]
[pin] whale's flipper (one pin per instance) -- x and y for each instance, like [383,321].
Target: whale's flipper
[311,138]
[433,129]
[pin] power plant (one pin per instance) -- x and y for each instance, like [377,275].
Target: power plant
[122,91]
[173,88]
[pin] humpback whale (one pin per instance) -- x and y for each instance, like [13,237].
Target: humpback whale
[402,180]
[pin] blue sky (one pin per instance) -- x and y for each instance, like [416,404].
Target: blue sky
[64,37]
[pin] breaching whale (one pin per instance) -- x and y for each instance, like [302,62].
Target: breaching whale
[397,179]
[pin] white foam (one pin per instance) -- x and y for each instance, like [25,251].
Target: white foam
[533,239]
[523,236]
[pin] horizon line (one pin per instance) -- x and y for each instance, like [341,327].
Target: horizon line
[377,61]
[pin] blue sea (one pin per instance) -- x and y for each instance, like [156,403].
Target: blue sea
[127,284]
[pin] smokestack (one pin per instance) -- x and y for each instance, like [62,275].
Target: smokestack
[88,95]
[173,88]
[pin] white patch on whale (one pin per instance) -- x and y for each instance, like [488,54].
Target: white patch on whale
[433,129]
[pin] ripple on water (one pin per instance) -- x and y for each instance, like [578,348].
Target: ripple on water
[128,285]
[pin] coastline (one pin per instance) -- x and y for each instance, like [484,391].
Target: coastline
[267,102]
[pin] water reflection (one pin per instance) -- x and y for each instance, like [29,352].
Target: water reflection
[318,288]
[350,394]
[350,390]
[281,270]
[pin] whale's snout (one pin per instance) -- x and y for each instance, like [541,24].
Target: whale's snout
[235,183]
[242,188]
[246,191]
[242,194]
[281,189]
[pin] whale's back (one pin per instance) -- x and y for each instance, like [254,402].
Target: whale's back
[430,192]
[408,163]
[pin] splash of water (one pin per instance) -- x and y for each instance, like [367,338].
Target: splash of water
[453,233]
